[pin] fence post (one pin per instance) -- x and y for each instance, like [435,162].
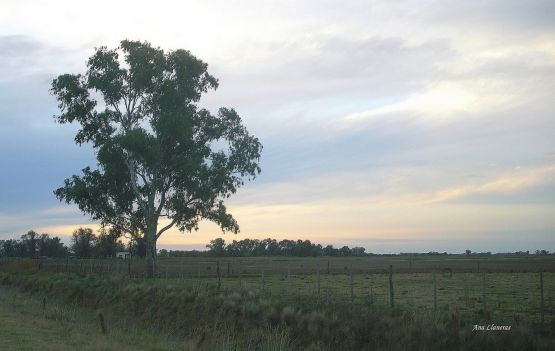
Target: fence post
[318,283]
[391,294]
[103,324]
[289,278]
[435,291]
[484,293]
[219,275]
[328,267]
[263,281]
[228,268]
[352,288]
[542,307]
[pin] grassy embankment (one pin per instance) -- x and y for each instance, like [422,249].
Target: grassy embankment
[246,320]
[27,325]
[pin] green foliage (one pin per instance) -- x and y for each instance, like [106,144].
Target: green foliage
[33,245]
[156,150]
[82,242]
[271,247]
[85,244]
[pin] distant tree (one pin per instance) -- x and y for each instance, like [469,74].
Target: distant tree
[51,246]
[345,251]
[158,154]
[303,248]
[259,248]
[317,250]
[232,249]
[358,251]
[9,248]
[107,243]
[272,247]
[83,242]
[468,252]
[330,251]
[248,246]
[163,253]
[30,243]
[33,245]
[287,247]
[137,246]
[217,247]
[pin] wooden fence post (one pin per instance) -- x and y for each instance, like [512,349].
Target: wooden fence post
[289,278]
[484,293]
[352,288]
[328,267]
[263,280]
[391,294]
[103,324]
[542,307]
[219,275]
[318,283]
[435,291]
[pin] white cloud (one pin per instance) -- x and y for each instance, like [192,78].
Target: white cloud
[366,109]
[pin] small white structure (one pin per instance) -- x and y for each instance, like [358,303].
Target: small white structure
[123,255]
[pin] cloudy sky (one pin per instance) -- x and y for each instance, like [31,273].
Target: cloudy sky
[396,125]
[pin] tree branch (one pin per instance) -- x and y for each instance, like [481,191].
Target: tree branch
[166,228]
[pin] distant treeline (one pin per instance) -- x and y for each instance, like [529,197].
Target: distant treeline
[84,244]
[106,243]
[33,244]
[267,247]
[299,248]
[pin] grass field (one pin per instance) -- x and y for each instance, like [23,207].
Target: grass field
[207,266]
[425,292]
[28,325]
[507,294]
[512,283]
[244,318]
[59,327]
[164,314]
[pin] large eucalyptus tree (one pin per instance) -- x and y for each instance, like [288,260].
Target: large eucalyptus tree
[162,160]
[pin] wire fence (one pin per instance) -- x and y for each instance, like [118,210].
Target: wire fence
[505,295]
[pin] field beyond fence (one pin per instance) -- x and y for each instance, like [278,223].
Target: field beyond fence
[503,287]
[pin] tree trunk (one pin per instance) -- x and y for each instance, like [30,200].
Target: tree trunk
[151,252]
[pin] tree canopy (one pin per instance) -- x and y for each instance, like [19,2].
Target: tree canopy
[159,156]
[33,245]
